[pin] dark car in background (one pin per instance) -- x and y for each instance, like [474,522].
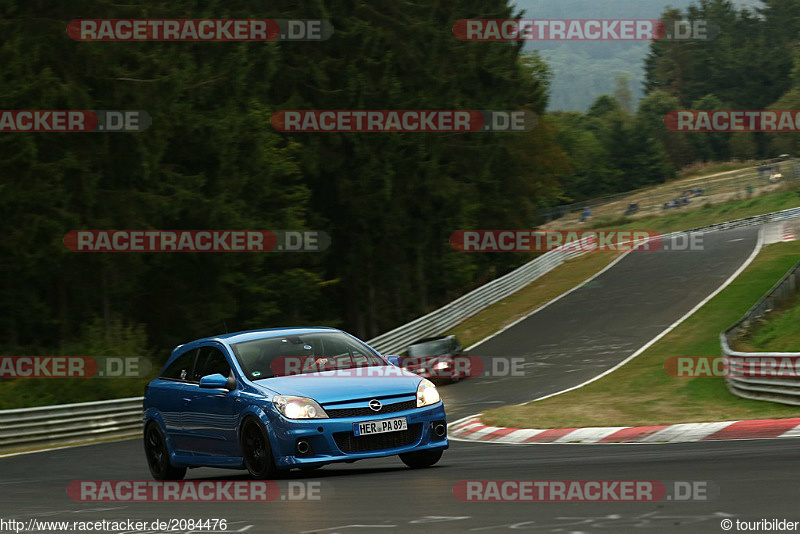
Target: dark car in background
[435,358]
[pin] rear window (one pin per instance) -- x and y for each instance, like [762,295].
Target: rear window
[436,347]
[210,361]
[181,368]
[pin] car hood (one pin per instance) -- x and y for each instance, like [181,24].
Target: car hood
[340,386]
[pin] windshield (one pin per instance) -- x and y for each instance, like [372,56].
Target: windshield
[300,354]
[431,348]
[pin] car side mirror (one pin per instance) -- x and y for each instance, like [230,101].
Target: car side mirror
[215,381]
[394,359]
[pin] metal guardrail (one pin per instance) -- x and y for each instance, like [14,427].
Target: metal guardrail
[75,423]
[749,372]
[70,423]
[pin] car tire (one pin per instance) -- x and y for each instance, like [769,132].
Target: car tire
[256,451]
[421,459]
[157,453]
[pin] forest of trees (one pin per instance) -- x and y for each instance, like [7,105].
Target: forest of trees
[753,64]
[582,71]
[211,160]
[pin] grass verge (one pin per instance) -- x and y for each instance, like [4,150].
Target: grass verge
[32,392]
[778,332]
[641,393]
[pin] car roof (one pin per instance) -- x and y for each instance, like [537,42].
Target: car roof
[250,335]
[429,339]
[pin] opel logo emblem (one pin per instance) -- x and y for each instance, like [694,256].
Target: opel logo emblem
[375,405]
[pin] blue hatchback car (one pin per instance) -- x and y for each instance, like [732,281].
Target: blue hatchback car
[271,400]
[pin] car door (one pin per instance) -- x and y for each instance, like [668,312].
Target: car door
[210,417]
[169,393]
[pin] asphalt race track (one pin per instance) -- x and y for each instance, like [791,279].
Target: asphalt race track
[564,344]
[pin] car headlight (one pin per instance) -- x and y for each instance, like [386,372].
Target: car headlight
[298,407]
[426,394]
[441,365]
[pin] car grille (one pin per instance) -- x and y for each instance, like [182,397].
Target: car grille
[366,410]
[350,443]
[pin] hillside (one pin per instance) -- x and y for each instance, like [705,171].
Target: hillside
[584,71]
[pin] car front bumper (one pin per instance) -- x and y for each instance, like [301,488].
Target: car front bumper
[332,440]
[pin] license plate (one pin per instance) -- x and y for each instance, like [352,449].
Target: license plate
[379,427]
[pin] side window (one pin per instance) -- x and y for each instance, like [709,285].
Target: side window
[181,369]
[210,360]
